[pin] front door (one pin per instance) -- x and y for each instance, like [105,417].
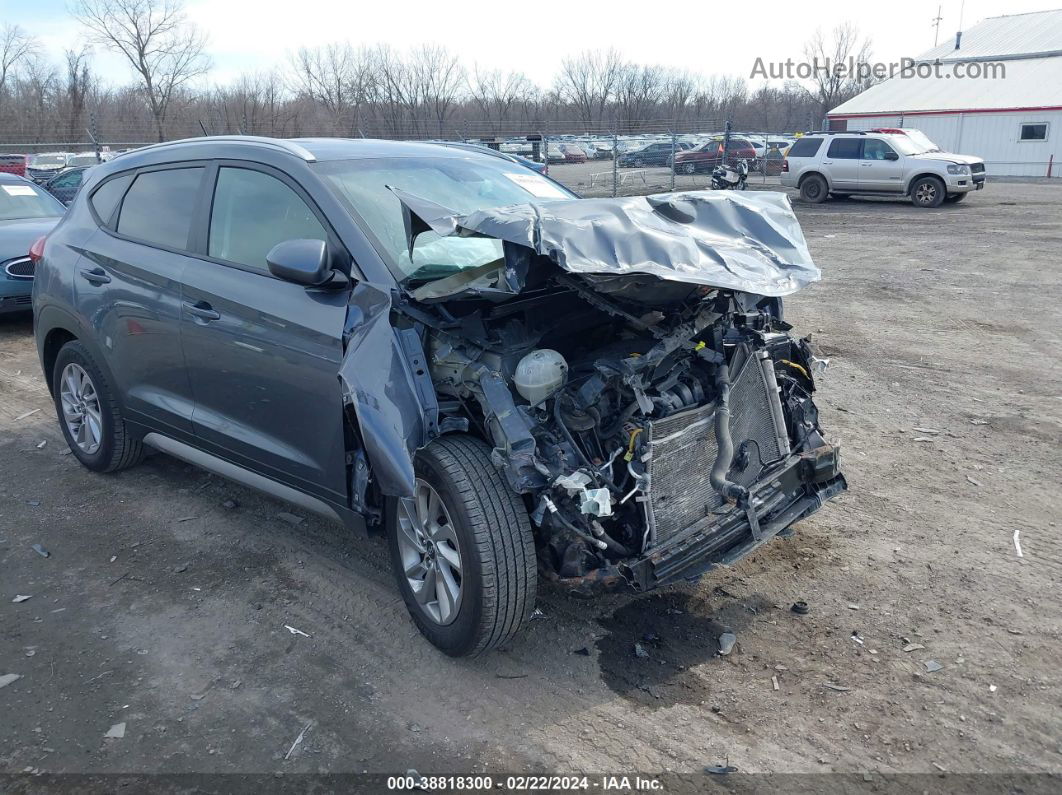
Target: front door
[263,354]
[880,168]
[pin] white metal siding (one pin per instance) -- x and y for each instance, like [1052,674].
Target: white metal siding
[993,136]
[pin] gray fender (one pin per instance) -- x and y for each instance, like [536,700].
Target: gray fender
[384,376]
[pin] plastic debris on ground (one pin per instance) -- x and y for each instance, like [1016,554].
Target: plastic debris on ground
[44,553]
[19,598]
[116,732]
[294,631]
[7,679]
[726,643]
[932,666]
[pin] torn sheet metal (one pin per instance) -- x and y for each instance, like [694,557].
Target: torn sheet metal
[378,374]
[750,242]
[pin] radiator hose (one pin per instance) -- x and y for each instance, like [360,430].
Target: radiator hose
[724,444]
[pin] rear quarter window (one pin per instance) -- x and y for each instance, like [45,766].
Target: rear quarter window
[106,197]
[805,147]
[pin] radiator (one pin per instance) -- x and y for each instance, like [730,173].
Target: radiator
[683,449]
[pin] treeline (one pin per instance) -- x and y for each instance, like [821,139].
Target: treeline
[423,92]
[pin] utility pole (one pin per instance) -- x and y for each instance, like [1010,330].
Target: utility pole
[935,22]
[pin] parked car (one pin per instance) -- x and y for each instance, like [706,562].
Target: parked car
[85,159]
[840,164]
[46,165]
[65,184]
[14,164]
[395,335]
[656,154]
[26,213]
[707,156]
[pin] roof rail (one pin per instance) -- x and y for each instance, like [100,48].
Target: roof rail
[836,132]
[285,145]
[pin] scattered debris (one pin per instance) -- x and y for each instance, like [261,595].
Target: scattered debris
[33,503]
[415,728]
[42,444]
[927,430]
[298,740]
[923,438]
[536,614]
[932,666]
[1017,543]
[939,767]
[991,688]
[114,558]
[290,518]
[800,608]
[44,553]
[7,679]
[774,681]
[294,631]
[640,651]
[185,519]
[838,688]
[230,504]
[20,598]
[726,642]
[116,732]
[858,638]
[720,770]
[913,647]
[27,414]
[973,481]
[583,652]
[180,569]
[853,607]
[510,676]
[979,422]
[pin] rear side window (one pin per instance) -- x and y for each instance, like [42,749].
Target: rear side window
[805,147]
[106,197]
[159,206]
[252,212]
[845,148]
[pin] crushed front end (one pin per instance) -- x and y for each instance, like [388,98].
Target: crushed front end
[628,362]
[655,429]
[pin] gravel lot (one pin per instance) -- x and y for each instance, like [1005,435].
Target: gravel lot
[163,609]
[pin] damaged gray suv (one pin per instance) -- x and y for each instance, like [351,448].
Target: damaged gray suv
[505,380]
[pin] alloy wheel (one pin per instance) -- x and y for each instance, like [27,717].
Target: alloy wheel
[81,408]
[926,193]
[430,553]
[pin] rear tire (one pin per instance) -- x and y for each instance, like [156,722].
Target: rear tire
[89,415]
[497,576]
[927,192]
[814,189]
[955,198]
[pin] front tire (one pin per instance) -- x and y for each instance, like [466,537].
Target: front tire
[928,192]
[462,549]
[89,414]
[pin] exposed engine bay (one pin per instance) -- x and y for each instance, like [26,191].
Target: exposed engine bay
[632,413]
[628,363]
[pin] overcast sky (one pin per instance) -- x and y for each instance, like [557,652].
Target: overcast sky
[533,37]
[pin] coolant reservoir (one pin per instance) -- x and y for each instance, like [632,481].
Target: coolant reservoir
[539,374]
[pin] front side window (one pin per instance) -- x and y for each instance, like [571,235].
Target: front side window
[252,212]
[873,149]
[845,148]
[25,200]
[159,205]
[458,184]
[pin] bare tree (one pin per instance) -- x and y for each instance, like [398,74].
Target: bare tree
[163,48]
[638,92]
[497,96]
[78,85]
[339,78]
[15,45]
[833,82]
[589,82]
[440,77]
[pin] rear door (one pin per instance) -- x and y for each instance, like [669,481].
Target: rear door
[264,354]
[128,285]
[842,162]
[877,171]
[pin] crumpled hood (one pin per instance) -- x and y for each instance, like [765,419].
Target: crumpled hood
[751,242]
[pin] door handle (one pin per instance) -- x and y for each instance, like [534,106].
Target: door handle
[95,275]
[201,310]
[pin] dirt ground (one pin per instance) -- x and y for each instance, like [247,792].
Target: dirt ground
[166,600]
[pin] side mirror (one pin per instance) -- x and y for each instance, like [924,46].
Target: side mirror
[891,156]
[300,261]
